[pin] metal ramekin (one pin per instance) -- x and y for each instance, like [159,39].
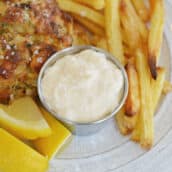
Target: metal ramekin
[77,127]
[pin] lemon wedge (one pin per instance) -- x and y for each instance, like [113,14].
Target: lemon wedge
[50,145]
[24,119]
[15,156]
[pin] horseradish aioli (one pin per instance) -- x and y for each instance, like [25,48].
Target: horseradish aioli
[83,87]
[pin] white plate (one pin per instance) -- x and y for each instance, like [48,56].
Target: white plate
[108,151]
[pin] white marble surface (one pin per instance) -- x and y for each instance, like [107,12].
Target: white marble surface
[108,151]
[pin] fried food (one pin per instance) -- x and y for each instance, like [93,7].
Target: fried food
[128,9]
[155,36]
[96,4]
[156,87]
[135,136]
[81,10]
[141,9]
[146,112]
[132,104]
[92,27]
[113,30]
[130,122]
[120,122]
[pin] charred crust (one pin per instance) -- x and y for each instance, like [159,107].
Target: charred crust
[152,66]
[130,113]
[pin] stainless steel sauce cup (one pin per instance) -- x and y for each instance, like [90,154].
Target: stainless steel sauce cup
[79,128]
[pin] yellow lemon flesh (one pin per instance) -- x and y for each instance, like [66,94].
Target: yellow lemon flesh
[15,156]
[49,146]
[24,119]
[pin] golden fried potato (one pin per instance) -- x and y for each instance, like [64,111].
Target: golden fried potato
[120,122]
[90,25]
[155,36]
[157,87]
[96,4]
[146,113]
[81,10]
[135,136]
[141,9]
[130,122]
[132,104]
[135,21]
[113,30]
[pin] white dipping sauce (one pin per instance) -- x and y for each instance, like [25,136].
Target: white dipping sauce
[83,87]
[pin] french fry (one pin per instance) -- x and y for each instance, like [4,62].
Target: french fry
[125,124]
[137,23]
[141,9]
[167,87]
[146,114]
[132,104]
[113,31]
[130,34]
[96,4]
[120,122]
[130,122]
[90,25]
[81,10]
[135,136]
[155,36]
[157,87]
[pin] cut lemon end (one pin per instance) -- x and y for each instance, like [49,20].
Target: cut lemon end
[50,145]
[15,156]
[24,119]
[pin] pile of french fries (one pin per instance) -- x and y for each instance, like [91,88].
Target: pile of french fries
[132,31]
